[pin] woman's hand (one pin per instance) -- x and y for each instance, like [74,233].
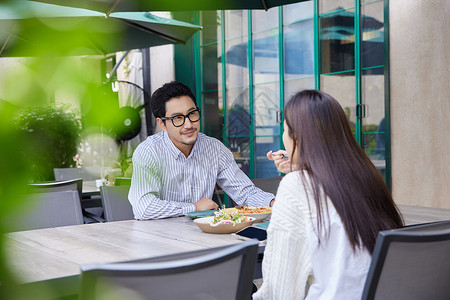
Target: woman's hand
[281,160]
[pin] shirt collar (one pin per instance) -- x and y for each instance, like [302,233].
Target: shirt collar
[174,151]
[197,145]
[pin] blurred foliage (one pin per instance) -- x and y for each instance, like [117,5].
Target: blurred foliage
[125,162]
[33,82]
[15,173]
[54,133]
[42,136]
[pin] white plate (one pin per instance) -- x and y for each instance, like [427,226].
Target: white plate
[258,217]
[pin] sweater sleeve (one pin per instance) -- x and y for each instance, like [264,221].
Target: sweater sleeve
[287,265]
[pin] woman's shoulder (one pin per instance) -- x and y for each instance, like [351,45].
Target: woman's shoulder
[293,180]
[292,189]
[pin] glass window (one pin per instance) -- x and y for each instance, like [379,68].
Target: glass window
[372,90]
[337,74]
[298,11]
[236,62]
[264,167]
[326,6]
[263,20]
[337,41]
[342,88]
[370,141]
[210,21]
[240,147]
[236,24]
[212,114]
[238,112]
[266,106]
[291,87]
[299,49]
[210,67]
[266,56]
[372,28]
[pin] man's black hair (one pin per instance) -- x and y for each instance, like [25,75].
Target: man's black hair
[168,91]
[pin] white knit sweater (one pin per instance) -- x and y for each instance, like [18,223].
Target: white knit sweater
[295,266]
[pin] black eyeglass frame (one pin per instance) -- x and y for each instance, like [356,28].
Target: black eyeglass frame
[188,115]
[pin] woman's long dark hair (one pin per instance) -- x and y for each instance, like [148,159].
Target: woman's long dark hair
[335,163]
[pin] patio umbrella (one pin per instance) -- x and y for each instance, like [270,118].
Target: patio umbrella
[28,28]
[108,6]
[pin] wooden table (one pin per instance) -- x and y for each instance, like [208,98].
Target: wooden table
[90,196]
[90,187]
[419,214]
[55,254]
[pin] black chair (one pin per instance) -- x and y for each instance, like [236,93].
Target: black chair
[86,173]
[90,205]
[44,210]
[116,206]
[225,273]
[66,185]
[269,185]
[411,263]
[75,184]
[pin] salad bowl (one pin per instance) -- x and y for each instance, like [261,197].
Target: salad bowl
[205,224]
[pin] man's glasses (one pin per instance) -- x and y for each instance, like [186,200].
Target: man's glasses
[179,120]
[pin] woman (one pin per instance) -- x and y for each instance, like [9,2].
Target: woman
[328,209]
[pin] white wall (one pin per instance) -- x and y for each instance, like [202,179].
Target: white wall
[420,101]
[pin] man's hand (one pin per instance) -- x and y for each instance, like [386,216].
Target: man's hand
[205,204]
[283,164]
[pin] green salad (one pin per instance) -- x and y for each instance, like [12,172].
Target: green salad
[227,217]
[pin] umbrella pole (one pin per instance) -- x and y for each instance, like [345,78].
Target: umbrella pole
[4,45]
[113,7]
[116,66]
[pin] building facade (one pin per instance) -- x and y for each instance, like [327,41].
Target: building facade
[248,63]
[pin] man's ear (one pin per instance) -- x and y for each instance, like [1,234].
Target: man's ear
[161,124]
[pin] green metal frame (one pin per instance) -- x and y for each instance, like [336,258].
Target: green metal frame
[197,66]
[387,98]
[317,74]
[357,24]
[251,132]
[316,46]
[224,78]
[281,69]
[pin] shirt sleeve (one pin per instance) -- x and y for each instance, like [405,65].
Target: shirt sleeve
[286,265]
[146,185]
[237,185]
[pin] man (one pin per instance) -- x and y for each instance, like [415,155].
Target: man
[175,171]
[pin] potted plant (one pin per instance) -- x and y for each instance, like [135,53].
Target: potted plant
[53,132]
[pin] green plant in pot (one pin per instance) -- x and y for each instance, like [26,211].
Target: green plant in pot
[53,132]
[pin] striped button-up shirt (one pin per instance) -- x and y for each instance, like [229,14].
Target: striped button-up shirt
[166,184]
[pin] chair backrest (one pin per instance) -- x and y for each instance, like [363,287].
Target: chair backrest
[116,206]
[66,185]
[411,263]
[269,185]
[122,181]
[86,173]
[223,274]
[44,210]
[58,186]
